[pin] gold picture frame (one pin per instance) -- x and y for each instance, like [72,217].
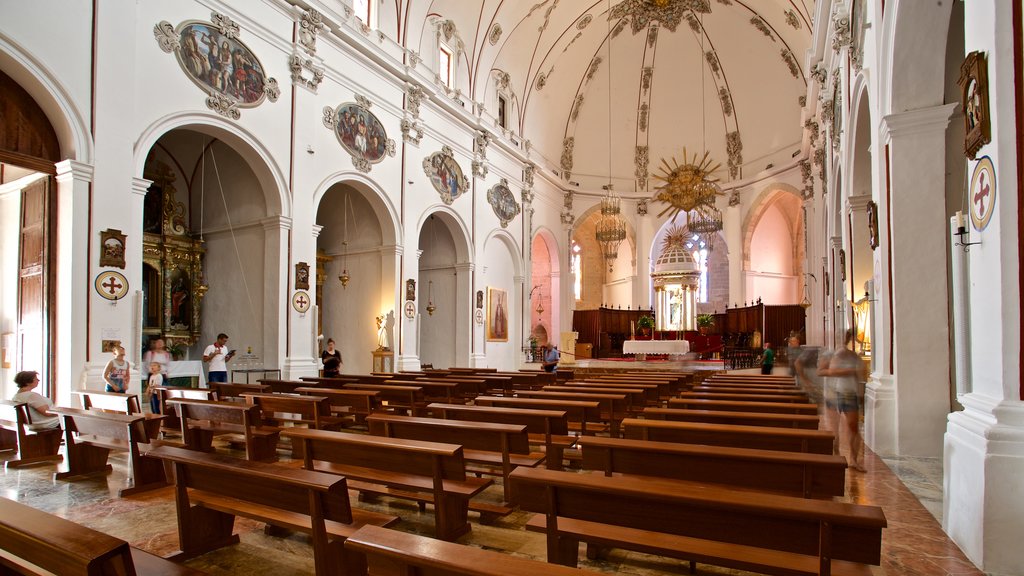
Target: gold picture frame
[302,276]
[112,245]
[873,224]
[497,315]
[973,84]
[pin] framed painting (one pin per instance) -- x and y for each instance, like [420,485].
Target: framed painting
[480,299]
[360,133]
[503,202]
[973,84]
[410,290]
[112,246]
[446,175]
[497,315]
[302,276]
[220,64]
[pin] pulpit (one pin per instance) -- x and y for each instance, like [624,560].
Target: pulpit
[383,361]
[567,347]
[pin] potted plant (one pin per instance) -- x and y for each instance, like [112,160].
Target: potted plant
[176,350]
[532,341]
[645,327]
[705,322]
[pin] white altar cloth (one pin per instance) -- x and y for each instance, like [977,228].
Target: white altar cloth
[674,347]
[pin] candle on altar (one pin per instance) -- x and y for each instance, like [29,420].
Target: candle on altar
[632,330]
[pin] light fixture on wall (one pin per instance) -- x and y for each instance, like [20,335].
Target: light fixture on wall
[344,277]
[430,298]
[806,302]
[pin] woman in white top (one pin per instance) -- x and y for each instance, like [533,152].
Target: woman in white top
[38,405]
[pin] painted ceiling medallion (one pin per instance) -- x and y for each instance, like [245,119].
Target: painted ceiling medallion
[223,67]
[503,202]
[446,175]
[360,132]
[668,12]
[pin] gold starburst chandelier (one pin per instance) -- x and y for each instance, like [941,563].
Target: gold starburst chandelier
[688,187]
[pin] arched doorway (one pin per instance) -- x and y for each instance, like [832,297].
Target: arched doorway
[603,282]
[503,281]
[444,285]
[773,248]
[357,239]
[543,308]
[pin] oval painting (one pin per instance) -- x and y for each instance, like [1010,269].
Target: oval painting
[503,202]
[446,175]
[219,64]
[360,132]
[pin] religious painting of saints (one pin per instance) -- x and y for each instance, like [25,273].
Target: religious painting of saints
[446,175]
[842,265]
[410,290]
[503,202]
[178,306]
[873,224]
[112,248]
[480,299]
[497,315]
[973,84]
[302,276]
[360,132]
[219,63]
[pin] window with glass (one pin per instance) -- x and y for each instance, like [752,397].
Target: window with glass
[699,250]
[444,66]
[362,9]
[576,265]
[502,106]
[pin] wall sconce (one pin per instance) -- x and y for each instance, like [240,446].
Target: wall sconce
[961,233]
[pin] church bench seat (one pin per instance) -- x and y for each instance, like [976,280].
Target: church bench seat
[793,473]
[30,446]
[745,406]
[358,403]
[613,406]
[202,420]
[653,394]
[33,539]
[761,437]
[584,415]
[89,436]
[312,411]
[425,472]
[403,399]
[111,401]
[234,390]
[770,419]
[745,530]
[745,397]
[167,393]
[211,489]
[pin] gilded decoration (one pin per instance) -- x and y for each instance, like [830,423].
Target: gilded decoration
[644,112]
[652,36]
[299,66]
[567,149]
[726,98]
[414,95]
[712,58]
[762,26]
[479,168]
[542,80]
[641,207]
[216,61]
[734,198]
[668,12]
[687,186]
[694,23]
[584,22]
[495,34]
[172,263]
[446,175]
[841,36]
[790,60]
[360,133]
[792,20]
[812,126]
[576,105]
[311,24]
[594,65]
[820,75]
[411,131]
[547,14]
[645,77]
[734,148]
[480,141]
[566,215]
[528,174]
[641,161]
[112,244]
[503,202]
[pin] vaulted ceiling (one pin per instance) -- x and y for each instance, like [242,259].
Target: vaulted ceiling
[608,88]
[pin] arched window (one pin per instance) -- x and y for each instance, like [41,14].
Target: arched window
[576,265]
[699,249]
[364,11]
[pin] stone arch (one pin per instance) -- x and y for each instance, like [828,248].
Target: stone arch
[67,120]
[374,194]
[765,199]
[445,337]
[913,55]
[551,286]
[503,354]
[247,145]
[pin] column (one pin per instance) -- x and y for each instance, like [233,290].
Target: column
[407,356]
[277,303]
[517,334]
[72,274]
[732,230]
[909,418]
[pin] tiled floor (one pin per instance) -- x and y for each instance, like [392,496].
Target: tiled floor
[913,543]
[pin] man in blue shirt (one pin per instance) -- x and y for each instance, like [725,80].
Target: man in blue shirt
[550,358]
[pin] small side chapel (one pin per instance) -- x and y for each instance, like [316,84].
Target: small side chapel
[454,183]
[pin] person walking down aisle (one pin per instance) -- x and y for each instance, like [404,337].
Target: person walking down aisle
[331,359]
[847,372]
[118,372]
[767,359]
[218,355]
[38,405]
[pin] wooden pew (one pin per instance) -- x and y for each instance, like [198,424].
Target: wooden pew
[109,401]
[312,411]
[663,389]
[33,540]
[777,407]
[748,385]
[760,437]
[738,529]
[437,389]
[390,552]
[234,390]
[651,394]
[636,398]
[542,378]
[211,489]
[201,420]
[89,437]
[802,421]
[581,413]
[755,397]
[495,446]
[466,388]
[402,399]
[289,386]
[166,393]
[792,473]
[613,406]
[358,403]
[30,446]
[749,390]
[427,472]
[549,428]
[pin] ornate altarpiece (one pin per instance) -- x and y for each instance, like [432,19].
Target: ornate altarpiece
[172,264]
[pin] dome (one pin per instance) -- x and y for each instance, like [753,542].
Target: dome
[673,260]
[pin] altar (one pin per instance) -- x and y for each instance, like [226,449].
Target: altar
[644,347]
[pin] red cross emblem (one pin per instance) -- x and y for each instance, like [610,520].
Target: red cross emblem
[301,301]
[112,285]
[981,194]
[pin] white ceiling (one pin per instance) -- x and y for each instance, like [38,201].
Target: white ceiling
[547,49]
